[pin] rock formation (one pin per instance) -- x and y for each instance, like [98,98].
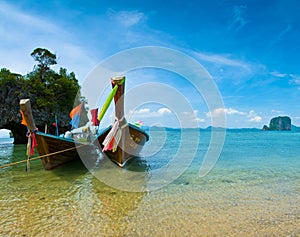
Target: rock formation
[281,123]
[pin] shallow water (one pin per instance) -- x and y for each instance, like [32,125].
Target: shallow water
[254,190]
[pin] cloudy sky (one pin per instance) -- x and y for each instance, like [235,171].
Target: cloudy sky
[250,48]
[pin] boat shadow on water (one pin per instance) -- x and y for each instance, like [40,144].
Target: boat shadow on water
[95,162]
[137,164]
[69,168]
[131,177]
[77,167]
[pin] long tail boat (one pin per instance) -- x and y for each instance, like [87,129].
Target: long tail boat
[121,141]
[54,150]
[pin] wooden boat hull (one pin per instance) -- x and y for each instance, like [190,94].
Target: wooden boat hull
[132,142]
[54,150]
[49,144]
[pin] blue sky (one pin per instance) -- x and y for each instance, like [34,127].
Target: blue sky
[250,48]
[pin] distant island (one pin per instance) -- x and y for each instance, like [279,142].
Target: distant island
[273,127]
[280,123]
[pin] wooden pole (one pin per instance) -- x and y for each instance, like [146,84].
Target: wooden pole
[26,109]
[119,113]
[119,96]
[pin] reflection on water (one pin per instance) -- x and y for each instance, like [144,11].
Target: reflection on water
[6,152]
[132,177]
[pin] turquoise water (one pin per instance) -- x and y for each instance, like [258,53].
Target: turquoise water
[253,190]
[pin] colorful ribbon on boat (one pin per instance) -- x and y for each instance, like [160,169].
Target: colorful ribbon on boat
[31,142]
[30,147]
[138,123]
[75,115]
[113,138]
[23,118]
[94,120]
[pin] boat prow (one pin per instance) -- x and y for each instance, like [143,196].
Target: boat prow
[121,141]
[54,150]
[132,142]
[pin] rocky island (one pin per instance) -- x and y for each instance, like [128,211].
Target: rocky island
[52,95]
[280,123]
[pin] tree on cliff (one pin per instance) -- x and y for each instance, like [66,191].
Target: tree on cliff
[45,59]
[51,93]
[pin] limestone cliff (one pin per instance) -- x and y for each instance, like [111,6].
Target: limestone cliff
[281,123]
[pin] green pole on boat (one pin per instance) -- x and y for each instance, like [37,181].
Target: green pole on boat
[109,99]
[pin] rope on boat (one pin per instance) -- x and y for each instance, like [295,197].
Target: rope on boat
[41,157]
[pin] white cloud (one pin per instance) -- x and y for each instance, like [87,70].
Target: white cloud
[294,79]
[276,111]
[226,66]
[281,35]
[127,18]
[250,116]
[12,14]
[146,112]
[220,111]
[278,74]
[142,111]
[200,120]
[163,111]
[238,20]
[21,32]
[251,113]
[193,117]
[224,60]
[233,111]
[166,117]
[253,117]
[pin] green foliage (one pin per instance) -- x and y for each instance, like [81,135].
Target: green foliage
[10,89]
[51,93]
[44,57]
[9,85]
[8,78]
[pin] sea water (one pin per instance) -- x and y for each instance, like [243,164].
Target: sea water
[253,190]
